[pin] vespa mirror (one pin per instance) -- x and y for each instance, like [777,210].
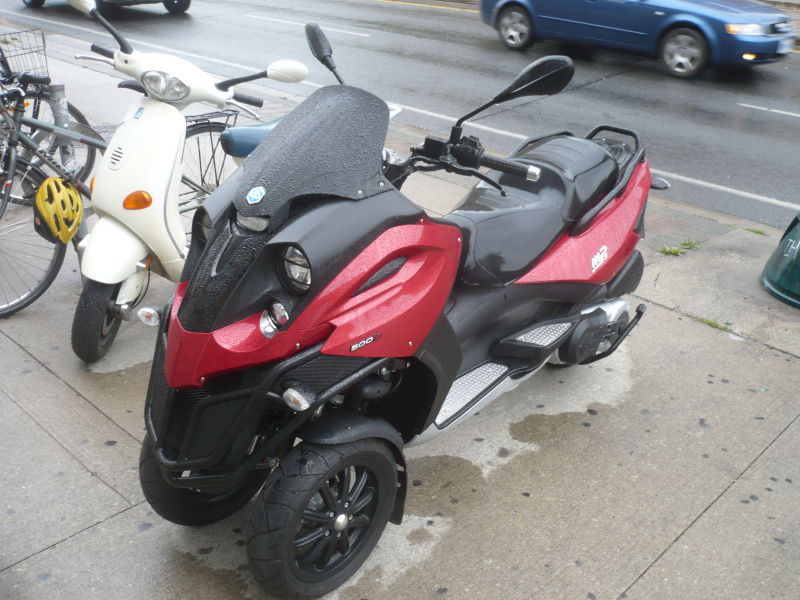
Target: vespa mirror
[321,48]
[84,6]
[544,77]
[287,71]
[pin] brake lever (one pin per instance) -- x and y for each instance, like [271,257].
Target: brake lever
[241,106]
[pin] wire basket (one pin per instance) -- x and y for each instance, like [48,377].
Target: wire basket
[23,52]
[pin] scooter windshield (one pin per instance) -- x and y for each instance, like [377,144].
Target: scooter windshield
[329,146]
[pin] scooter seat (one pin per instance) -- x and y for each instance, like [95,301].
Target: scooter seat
[505,235]
[241,141]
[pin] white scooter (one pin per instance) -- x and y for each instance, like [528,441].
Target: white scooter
[136,187]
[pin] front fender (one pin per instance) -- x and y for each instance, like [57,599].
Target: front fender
[111,252]
[341,427]
[683,19]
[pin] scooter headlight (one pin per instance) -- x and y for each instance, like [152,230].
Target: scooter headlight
[296,270]
[164,86]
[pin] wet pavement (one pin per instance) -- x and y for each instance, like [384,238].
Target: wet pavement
[669,470]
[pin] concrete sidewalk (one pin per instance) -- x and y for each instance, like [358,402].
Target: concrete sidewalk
[669,470]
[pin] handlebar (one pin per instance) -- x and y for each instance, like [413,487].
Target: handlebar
[511,167]
[26,79]
[248,99]
[102,51]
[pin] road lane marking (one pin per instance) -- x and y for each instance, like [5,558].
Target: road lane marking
[771,110]
[422,4]
[502,132]
[324,28]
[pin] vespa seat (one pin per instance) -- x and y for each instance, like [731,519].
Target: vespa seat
[505,235]
[241,141]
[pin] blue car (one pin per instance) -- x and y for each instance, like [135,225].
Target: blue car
[687,35]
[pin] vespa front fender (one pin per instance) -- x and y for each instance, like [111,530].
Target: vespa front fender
[111,252]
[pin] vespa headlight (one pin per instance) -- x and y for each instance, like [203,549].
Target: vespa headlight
[746,29]
[296,270]
[164,86]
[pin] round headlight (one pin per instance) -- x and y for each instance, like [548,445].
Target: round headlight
[296,270]
[163,86]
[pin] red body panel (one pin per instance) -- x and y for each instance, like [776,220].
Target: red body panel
[397,313]
[597,254]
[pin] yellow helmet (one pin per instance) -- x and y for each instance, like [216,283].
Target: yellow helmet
[59,206]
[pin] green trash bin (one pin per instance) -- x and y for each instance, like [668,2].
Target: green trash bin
[781,275]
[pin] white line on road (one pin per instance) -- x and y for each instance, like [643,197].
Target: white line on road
[516,136]
[325,28]
[771,110]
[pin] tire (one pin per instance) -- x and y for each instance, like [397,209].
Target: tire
[86,155]
[33,3]
[515,28]
[684,52]
[94,327]
[177,7]
[184,506]
[205,164]
[28,262]
[289,551]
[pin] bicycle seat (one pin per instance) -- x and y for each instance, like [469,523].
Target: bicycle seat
[505,235]
[241,141]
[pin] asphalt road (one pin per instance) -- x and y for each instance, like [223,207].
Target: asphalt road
[726,141]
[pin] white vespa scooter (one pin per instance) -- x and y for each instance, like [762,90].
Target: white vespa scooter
[136,187]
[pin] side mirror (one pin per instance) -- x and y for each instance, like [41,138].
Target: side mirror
[287,71]
[84,6]
[319,44]
[544,77]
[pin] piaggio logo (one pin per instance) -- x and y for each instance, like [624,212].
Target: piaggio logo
[360,344]
[599,258]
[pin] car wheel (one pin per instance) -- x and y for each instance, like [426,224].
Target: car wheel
[684,52]
[515,28]
[177,7]
[33,3]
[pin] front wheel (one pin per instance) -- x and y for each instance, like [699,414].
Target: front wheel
[95,325]
[176,7]
[684,52]
[320,515]
[515,28]
[185,506]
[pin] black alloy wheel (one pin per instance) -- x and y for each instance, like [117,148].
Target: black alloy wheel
[515,28]
[319,516]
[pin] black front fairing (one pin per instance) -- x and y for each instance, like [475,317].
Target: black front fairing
[328,147]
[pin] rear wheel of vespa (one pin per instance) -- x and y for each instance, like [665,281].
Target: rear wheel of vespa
[319,516]
[94,326]
[185,506]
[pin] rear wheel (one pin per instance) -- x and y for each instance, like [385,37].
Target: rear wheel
[185,506]
[515,28]
[29,262]
[176,7]
[34,3]
[95,325]
[320,515]
[684,52]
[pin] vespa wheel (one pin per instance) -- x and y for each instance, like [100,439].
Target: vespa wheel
[319,516]
[94,326]
[176,7]
[184,506]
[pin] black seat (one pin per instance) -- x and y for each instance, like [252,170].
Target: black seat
[505,235]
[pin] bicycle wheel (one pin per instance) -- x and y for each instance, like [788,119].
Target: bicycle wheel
[28,262]
[205,165]
[37,107]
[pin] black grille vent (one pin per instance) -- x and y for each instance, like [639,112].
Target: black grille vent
[382,273]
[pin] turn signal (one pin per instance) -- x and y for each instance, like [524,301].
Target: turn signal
[137,200]
[91,184]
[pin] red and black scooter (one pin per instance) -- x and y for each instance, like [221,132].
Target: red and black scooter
[324,322]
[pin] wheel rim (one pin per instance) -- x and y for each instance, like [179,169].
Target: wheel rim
[514,28]
[335,522]
[682,53]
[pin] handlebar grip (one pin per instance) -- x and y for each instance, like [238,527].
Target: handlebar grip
[248,99]
[102,51]
[31,79]
[511,167]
